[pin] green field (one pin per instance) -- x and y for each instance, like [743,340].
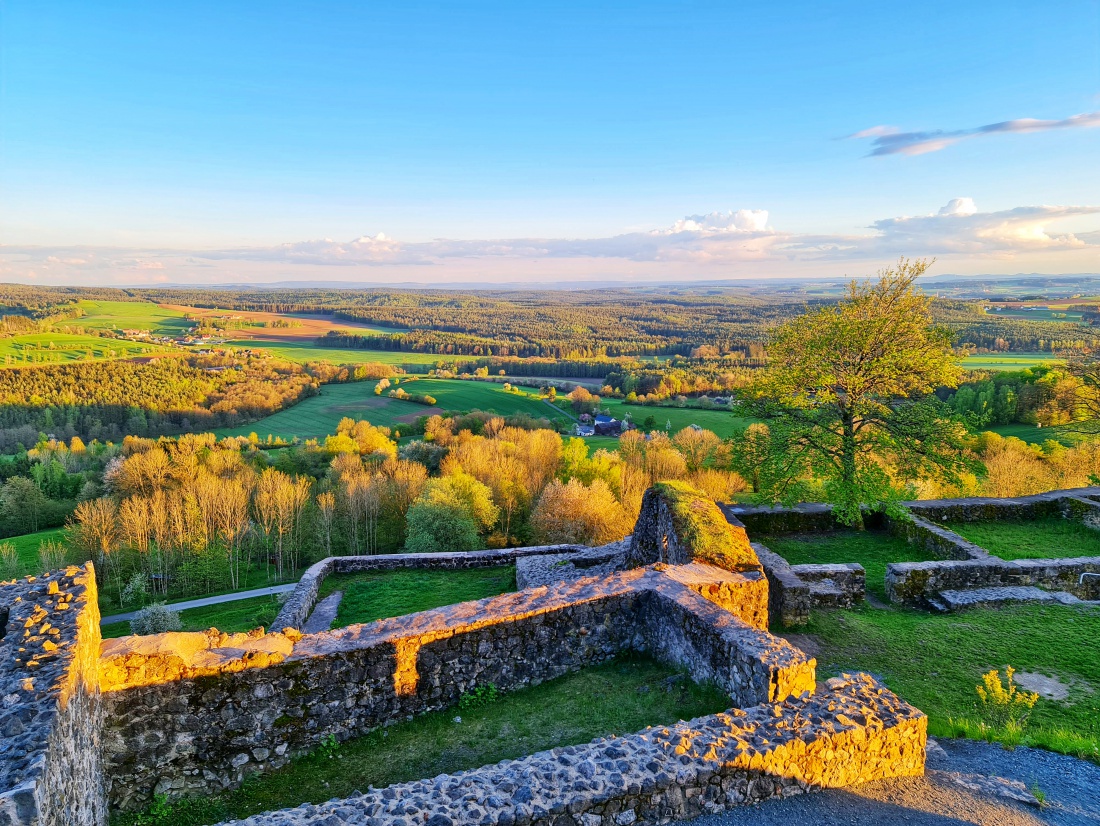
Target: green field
[1051,536]
[62,348]
[318,416]
[131,315]
[1009,361]
[377,595]
[722,422]
[617,697]
[305,351]
[1036,435]
[1037,314]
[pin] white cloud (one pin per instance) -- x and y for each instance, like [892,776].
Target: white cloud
[713,245]
[889,140]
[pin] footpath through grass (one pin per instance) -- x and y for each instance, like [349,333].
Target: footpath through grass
[381,594]
[1050,536]
[619,697]
[935,662]
[871,549]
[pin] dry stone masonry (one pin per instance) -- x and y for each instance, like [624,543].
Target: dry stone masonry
[90,724]
[50,714]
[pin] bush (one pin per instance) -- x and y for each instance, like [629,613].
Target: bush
[52,555]
[155,619]
[136,589]
[9,561]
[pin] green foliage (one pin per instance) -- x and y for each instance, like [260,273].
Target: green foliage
[479,697]
[701,527]
[1003,707]
[848,396]
[155,619]
[329,748]
[618,697]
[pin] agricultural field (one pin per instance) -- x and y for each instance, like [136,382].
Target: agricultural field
[304,350]
[64,348]
[318,416]
[1037,313]
[1009,361]
[131,315]
[1033,434]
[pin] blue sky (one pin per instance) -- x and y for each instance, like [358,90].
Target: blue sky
[203,141]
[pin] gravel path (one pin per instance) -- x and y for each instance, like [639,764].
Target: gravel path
[1071,786]
[323,614]
[200,603]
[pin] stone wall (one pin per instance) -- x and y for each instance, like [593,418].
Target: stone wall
[678,524]
[918,583]
[50,714]
[300,603]
[853,731]
[196,713]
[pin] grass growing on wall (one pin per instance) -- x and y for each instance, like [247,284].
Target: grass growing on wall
[935,661]
[701,527]
[381,594]
[871,549]
[619,697]
[1050,536]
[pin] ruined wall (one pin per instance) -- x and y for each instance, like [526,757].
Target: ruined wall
[188,713]
[678,524]
[299,604]
[916,583]
[50,716]
[853,731]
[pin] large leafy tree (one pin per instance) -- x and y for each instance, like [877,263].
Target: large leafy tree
[849,397]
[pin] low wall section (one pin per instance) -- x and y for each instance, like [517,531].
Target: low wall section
[195,713]
[300,603]
[50,713]
[853,731]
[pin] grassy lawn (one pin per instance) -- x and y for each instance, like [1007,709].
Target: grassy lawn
[318,416]
[619,697]
[382,594]
[935,662]
[871,549]
[231,617]
[1044,538]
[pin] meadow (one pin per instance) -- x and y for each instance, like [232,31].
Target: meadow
[318,416]
[64,348]
[1009,361]
[131,315]
[304,350]
[723,423]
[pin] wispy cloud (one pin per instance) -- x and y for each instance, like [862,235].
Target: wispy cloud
[889,140]
[715,244]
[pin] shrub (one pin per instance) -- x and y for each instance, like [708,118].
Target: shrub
[155,619]
[136,589]
[52,555]
[1003,705]
[9,561]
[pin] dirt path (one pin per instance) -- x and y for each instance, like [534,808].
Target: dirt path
[1071,788]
